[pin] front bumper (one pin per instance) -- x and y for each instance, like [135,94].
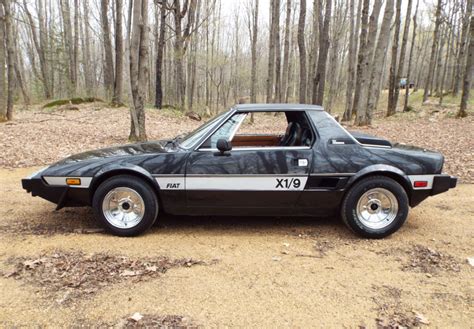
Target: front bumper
[60,195]
[441,184]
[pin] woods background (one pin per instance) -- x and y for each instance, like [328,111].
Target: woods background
[204,56]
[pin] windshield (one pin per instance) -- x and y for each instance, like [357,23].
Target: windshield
[197,134]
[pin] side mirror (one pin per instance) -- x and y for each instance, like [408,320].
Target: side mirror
[224,146]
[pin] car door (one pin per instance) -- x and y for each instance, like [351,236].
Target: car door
[268,180]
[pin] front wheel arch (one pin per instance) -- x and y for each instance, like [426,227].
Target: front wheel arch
[116,172]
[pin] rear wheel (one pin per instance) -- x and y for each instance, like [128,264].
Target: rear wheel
[375,207]
[125,205]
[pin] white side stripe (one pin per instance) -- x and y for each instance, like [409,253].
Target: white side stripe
[246,183]
[170,182]
[61,181]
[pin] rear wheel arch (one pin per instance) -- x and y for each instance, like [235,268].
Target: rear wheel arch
[397,176]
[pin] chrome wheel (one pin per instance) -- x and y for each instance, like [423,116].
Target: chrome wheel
[377,208]
[123,207]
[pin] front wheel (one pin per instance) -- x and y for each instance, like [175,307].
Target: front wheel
[375,207]
[125,205]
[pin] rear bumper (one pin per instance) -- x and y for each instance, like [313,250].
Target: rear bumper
[60,195]
[441,184]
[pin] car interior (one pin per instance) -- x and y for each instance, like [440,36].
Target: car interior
[298,133]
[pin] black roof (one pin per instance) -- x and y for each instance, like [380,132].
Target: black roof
[276,107]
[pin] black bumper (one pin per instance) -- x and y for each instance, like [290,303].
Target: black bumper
[60,195]
[441,184]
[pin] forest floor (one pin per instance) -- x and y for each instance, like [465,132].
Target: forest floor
[57,268]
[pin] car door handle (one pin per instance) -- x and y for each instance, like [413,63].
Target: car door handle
[301,162]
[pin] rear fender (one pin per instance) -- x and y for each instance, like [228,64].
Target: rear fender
[383,170]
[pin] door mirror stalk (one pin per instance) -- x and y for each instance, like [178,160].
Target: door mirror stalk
[224,146]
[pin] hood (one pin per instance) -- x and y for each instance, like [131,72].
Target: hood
[117,151]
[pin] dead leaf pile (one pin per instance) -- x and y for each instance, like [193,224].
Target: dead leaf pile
[426,260]
[69,275]
[138,320]
[392,313]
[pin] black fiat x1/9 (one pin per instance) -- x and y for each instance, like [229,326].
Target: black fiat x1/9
[294,160]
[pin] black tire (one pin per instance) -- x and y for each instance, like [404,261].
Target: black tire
[142,188]
[349,211]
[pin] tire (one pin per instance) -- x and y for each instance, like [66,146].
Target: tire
[125,205]
[375,207]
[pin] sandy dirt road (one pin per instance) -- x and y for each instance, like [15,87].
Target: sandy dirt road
[257,272]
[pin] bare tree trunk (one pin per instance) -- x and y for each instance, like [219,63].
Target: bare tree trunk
[39,38]
[320,78]
[109,62]
[461,60]
[380,55]
[139,69]
[254,40]
[447,56]
[180,44]
[272,50]
[358,47]
[159,57]
[467,81]
[434,46]
[401,62]
[86,51]
[410,60]
[286,53]
[76,45]
[302,51]
[69,42]
[365,60]
[277,52]
[3,81]
[391,104]
[314,47]
[439,60]
[117,97]
[10,57]
[351,63]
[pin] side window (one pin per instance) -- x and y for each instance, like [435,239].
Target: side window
[264,123]
[274,129]
[226,131]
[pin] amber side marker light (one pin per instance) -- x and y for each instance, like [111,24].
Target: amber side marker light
[73,181]
[420,183]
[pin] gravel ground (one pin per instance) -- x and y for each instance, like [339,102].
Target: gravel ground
[243,272]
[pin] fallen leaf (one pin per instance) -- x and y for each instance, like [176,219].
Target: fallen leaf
[136,317]
[129,273]
[470,261]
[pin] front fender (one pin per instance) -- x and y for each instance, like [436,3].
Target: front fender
[122,168]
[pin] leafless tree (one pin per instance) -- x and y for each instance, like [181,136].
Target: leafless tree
[138,69]
[320,76]
[467,81]
[351,63]
[392,104]
[434,46]
[302,51]
[118,81]
[109,62]
[410,59]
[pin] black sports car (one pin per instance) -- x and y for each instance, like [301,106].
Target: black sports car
[314,167]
